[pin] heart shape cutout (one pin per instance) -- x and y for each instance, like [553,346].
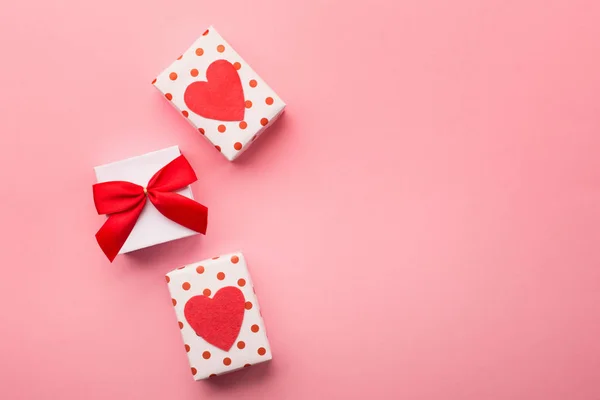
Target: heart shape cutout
[217,320]
[220,97]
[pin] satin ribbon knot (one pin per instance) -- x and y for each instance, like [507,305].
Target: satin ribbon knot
[124,201]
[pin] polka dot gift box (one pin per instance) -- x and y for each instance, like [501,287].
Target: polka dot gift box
[218,315]
[220,95]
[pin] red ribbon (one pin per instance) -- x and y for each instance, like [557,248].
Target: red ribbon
[123,202]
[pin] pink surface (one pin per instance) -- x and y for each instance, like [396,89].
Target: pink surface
[423,223]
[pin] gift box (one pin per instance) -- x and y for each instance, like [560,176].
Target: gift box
[148,201]
[220,94]
[218,315]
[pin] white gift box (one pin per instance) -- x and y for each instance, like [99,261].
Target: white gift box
[152,227]
[220,95]
[218,315]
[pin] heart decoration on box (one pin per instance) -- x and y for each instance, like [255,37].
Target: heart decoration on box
[217,320]
[220,97]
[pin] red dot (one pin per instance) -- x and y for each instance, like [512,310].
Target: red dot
[187,348]
[241,345]
[220,276]
[199,51]
[206,355]
[180,324]
[206,292]
[200,269]
[237,146]
[254,328]
[264,121]
[215,258]
[169,96]
[167,278]
[212,375]
[253,83]
[237,65]
[248,104]
[154,81]
[243,125]
[248,305]
[172,76]
[194,72]
[227,361]
[179,58]
[194,371]
[185,113]
[201,130]
[221,128]
[241,282]
[262,351]
[186,286]
[235,259]
[269,101]
[174,302]
[218,148]
[220,48]
[247,365]
[205,33]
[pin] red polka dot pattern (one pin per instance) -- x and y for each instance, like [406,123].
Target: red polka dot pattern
[261,104]
[207,278]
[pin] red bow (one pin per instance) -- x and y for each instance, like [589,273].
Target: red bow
[124,201]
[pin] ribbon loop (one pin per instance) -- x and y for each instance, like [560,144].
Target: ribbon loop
[175,175]
[123,202]
[116,196]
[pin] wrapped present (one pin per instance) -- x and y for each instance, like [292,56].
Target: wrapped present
[219,316]
[220,95]
[148,201]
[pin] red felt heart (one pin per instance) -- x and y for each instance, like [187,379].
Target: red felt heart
[221,97]
[217,320]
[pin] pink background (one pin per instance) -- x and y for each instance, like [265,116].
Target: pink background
[423,223]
